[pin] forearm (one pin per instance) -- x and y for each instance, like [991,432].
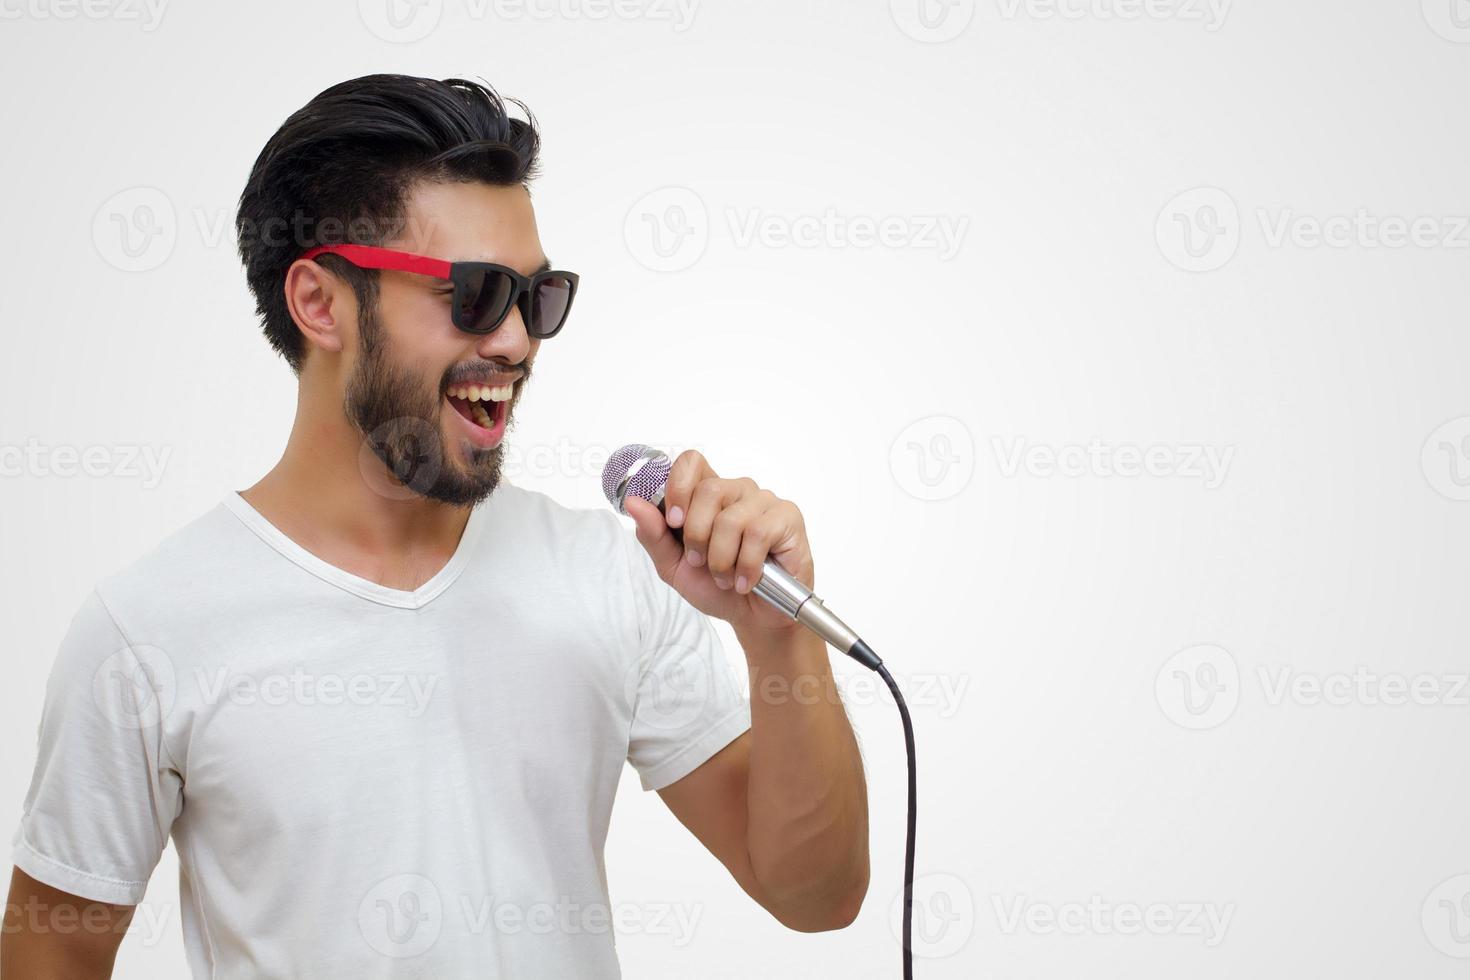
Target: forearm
[807,827]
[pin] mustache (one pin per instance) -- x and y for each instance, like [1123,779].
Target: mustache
[490,375]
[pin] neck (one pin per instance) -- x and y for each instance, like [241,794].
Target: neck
[330,488]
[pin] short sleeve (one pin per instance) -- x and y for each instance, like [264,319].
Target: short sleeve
[688,703]
[103,796]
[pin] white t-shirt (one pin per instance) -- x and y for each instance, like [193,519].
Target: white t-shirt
[368,782]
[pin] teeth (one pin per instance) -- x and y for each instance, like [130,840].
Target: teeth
[482,393]
[482,417]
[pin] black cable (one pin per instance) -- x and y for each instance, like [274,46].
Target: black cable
[864,654]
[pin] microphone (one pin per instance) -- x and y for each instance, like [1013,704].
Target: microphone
[640,471]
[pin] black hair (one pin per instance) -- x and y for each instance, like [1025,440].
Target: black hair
[339,170]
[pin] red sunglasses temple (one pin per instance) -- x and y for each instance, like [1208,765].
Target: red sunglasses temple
[371,257]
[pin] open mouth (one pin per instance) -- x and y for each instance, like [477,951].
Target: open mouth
[482,407]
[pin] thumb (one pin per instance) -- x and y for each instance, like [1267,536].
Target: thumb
[653,534]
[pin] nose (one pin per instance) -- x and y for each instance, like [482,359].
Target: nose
[509,341]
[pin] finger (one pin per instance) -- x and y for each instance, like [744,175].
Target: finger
[730,527]
[711,495]
[688,470]
[778,527]
[655,536]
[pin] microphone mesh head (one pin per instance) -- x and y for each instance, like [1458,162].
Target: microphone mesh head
[649,468]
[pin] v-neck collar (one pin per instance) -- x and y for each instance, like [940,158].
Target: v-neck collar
[356,584]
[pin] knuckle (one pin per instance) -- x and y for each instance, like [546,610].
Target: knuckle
[707,485]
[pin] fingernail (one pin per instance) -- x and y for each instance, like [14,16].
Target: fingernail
[695,559]
[742,585]
[676,516]
[722,582]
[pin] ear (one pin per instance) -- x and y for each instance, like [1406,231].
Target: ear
[318,301]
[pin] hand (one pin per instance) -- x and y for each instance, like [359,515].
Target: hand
[730,527]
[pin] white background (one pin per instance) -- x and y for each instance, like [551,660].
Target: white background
[1180,227]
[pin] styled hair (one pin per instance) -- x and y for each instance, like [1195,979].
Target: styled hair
[340,169]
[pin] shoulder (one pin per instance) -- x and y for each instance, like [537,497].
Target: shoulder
[532,522]
[202,558]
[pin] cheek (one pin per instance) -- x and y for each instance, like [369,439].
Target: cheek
[418,320]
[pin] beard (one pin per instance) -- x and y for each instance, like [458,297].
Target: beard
[401,419]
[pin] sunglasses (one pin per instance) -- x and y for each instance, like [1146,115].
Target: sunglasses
[484,293]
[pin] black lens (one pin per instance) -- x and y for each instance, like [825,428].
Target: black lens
[484,299]
[550,301]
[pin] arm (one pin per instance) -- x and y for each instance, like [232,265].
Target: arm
[783,807]
[53,935]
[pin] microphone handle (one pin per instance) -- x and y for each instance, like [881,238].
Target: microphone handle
[784,593]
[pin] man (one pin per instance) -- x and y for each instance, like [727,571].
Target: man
[380,699]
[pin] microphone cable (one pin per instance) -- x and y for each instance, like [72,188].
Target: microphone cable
[867,656]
